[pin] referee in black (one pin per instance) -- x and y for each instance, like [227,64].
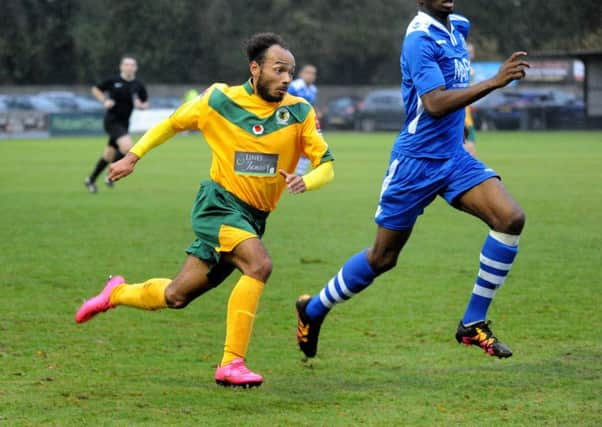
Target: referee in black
[119,95]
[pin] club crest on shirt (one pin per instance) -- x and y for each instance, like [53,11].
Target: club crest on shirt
[283,116]
[258,129]
[462,70]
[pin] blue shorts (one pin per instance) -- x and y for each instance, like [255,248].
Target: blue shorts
[411,184]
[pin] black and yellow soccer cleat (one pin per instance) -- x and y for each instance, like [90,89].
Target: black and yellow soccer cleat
[480,334]
[308,331]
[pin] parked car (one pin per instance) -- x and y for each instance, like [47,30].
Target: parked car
[340,112]
[3,103]
[63,100]
[529,109]
[563,110]
[3,112]
[27,112]
[68,101]
[32,103]
[381,110]
[164,102]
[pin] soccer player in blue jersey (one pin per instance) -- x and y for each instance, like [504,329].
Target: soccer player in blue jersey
[304,87]
[427,160]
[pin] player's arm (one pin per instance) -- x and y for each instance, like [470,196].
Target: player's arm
[141,98]
[316,178]
[316,149]
[154,137]
[99,94]
[184,118]
[440,101]
[140,105]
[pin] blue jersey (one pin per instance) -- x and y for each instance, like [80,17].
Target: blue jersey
[298,87]
[460,23]
[432,56]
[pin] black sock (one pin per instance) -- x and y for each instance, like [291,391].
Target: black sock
[118,156]
[100,166]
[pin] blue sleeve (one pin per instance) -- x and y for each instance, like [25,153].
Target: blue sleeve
[292,90]
[311,96]
[419,55]
[463,27]
[461,24]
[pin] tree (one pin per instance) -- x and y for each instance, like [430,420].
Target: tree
[200,41]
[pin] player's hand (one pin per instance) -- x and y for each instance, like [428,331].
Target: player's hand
[513,69]
[294,183]
[123,167]
[140,105]
[108,104]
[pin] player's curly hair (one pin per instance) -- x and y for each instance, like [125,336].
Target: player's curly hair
[257,44]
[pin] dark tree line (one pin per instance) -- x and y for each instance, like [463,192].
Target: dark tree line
[188,41]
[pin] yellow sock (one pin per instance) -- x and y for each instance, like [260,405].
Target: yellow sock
[149,295]
[242,306]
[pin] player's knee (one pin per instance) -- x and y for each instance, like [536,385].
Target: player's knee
[382,261]
[517,222]
[514,222]
[260,269]
[175,299]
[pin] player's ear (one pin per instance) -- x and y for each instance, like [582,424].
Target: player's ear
[254,68]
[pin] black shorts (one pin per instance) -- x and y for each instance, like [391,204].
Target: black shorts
[116,129]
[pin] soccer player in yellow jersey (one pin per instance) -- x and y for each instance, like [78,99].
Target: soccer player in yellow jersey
[257,132]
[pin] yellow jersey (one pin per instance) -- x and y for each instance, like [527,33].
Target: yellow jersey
[251,139]
[468,121]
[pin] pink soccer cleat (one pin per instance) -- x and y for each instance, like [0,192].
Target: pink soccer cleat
[237,374]
[100,303]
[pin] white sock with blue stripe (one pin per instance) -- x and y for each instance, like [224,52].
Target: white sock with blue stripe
[355,276]
[497,256]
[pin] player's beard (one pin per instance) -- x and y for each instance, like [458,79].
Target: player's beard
[264,92]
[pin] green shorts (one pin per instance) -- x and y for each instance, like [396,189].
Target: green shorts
[221,221]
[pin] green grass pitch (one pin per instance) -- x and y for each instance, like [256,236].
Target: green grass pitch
[386,358]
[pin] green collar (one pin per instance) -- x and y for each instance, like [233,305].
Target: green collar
[248,86]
